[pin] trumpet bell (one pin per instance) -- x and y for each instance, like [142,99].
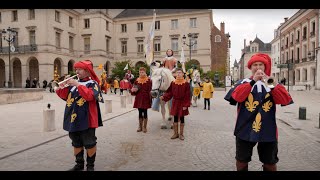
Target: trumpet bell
[270,83]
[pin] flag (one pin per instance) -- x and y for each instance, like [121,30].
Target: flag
[182,59]
[127,67]
[100,66]
[149,44]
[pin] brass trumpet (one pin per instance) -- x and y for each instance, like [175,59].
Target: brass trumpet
[60,85]
[270,83]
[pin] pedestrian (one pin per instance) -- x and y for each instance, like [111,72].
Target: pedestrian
[82,113]
[207,92]
[179,91]
[256,114]
[45,82]
[141,89]
[116,85]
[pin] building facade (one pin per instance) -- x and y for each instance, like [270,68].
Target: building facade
[220,54]
[57,38]
[255,46]
[299,40]
[275,56]
[235,73]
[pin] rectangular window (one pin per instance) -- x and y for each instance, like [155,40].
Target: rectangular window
[140,26]
[86,23]
[174,24]
[32,37]
[15,15]
[32,14]
[193,22]
[123,28]
[0,42]
[70,43]
[107,25]
[157,25]
[16,40]
[87,45]
[298,36]
[108,44]
[0,17]
[70,22]
[313,27]
[57,16]
[174,44]
[140,46]
[124,47]
[304,33]
[157,47]
[298,53]
[58,40]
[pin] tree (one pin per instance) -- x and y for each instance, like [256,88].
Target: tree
[118,71]
[188,65]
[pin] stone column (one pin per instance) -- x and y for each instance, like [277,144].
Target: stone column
[49,120]
[108,106]
[123,101]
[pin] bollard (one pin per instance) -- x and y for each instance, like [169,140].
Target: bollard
[302,113]
[123,101]
[49,120]
[108,106]
[129,97]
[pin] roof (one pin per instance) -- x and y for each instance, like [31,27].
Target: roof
[262,46]
[149,12]
[235,64]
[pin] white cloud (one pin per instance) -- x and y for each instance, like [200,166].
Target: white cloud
[247,23]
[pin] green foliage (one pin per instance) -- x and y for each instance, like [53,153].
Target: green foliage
[118,71]
[188,65]
[72,73]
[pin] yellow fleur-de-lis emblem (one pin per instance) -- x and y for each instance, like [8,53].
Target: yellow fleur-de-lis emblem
[267,105]
[81,101]
[69,100]
[73,117]
[96,87]
[256,125]
[250,104]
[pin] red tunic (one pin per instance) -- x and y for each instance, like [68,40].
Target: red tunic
[143,96]
[181,98]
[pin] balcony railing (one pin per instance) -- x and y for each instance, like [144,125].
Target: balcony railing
[20,49]
[304,38]
[304,60]
[297,61]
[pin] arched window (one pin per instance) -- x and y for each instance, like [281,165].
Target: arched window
[217,38]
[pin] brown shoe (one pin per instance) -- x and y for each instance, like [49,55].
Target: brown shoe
[175,128]
[181,131]
[144,127]
[140,125]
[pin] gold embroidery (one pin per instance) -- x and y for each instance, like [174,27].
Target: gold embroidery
[81,101]
[256,125]
[179,81]
[73,117]
[250,104]
[267,105]
[142,80]
[96,87]
[69,100]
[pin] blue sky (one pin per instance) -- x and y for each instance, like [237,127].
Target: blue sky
[247,23]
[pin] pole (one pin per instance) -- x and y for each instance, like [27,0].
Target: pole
[288,74]
[190,47]
[9,82]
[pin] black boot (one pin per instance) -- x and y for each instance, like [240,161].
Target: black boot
[90,162]
[80,162]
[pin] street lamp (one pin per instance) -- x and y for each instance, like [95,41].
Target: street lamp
[11,36]
[191,36]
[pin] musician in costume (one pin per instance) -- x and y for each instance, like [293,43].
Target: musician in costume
[82,113]
[141,89]
[179,91]
[256,119]
[103,82]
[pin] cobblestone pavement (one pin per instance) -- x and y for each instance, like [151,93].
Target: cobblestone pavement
[209,143]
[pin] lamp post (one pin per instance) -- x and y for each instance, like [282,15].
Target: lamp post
[10,38]
[191,36]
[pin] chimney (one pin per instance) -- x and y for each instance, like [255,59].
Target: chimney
[222,27]
[244,43]
[285,19]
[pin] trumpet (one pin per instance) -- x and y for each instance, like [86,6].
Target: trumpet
[269,82]
[60,85]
